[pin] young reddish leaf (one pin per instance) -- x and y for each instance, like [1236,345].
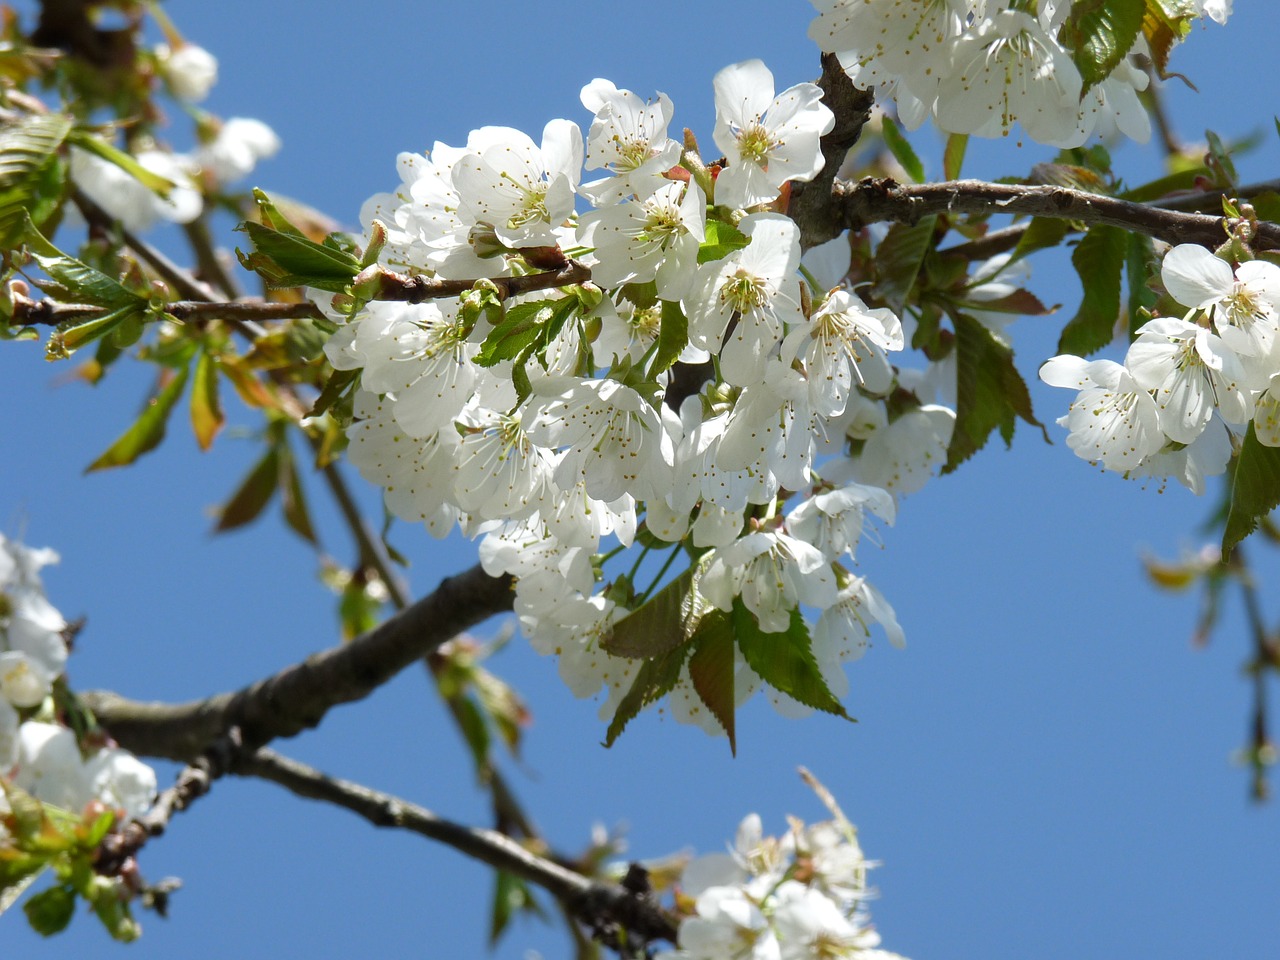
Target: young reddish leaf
[248,387]
[253,494]
[711,669]
[785,661]
[147,431]
[654,681]
[1255,489]
[206,410]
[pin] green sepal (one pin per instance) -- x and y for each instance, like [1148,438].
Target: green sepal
[147,431]
[953,155]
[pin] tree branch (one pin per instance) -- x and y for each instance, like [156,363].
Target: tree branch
[418,289]
[601,906]
[299,696]
[36,313]
[810,205]
[875,200]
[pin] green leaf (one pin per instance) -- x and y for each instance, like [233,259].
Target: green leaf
[1139,263]
[1041,233]
[511,895]
[1099,261]
[953,155]
[898,260]
[711,669]
[147,431]
[666,620]
[990,392]
[339,382]
[1255,489]
[785,661]
[71,335]
[83,284]
[1220,161]
[206,409]
[292,260]
[721,240]
[474,729]
[253,494]
[673,337]
[292,497]
[653,681]
[1100,33]
[517,333]
[901,150]
[51,910]
[28,157]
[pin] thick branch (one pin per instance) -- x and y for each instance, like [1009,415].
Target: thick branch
[299,696]
[599,905]
[418,289]
[875,200]
[811,206]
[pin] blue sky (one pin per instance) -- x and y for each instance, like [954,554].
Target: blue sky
[1044,771]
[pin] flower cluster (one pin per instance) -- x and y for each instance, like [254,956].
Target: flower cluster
[553,422]
[801,896]
[1187,384]
[980,66]
[38,754]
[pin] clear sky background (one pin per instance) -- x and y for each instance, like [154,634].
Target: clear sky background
[1045,771]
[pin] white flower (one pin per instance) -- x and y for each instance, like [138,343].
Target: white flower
[191,71]
[50,766]
[499,474]
[810,924]
[728,926]
[121,780]
[832,520]
[129,200]
[1244,304]
[236,149]
[773,572]
[651,238]
[1112,421]
[1010,70]
[611,437]
[1191,373]
[628,137]
[758,286]
[841,633]
[23,681]
[901,456]
[768,140]
[843,348]
[520,189]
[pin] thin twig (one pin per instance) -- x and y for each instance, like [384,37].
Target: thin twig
[599,905]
